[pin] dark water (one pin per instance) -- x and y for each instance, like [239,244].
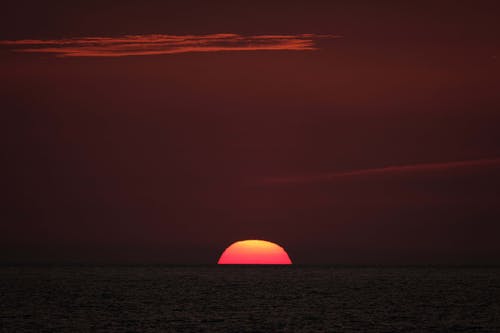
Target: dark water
[249,299]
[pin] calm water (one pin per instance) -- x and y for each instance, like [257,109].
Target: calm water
[249,299]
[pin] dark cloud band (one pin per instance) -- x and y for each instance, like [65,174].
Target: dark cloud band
[412,168]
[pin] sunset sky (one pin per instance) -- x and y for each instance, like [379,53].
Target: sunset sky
[160,131]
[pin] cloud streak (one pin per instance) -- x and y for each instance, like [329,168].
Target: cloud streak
[387,170]
[157,44]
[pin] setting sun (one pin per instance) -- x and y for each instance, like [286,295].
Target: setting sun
[254,252]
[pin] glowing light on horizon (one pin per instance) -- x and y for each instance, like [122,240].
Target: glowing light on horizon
[254,252]
[156,44]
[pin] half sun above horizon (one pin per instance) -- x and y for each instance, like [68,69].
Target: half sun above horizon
[254,252]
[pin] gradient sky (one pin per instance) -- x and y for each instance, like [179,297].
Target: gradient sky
[160,131]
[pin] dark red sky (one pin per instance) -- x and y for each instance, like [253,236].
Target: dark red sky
[378,147]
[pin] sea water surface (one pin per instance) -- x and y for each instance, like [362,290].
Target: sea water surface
[249,299]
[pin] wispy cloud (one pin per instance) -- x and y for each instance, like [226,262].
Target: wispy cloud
[387,170]
[140,45]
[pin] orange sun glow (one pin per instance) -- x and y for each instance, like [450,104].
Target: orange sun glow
[254,252]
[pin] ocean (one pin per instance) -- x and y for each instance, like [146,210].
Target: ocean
[249,299]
